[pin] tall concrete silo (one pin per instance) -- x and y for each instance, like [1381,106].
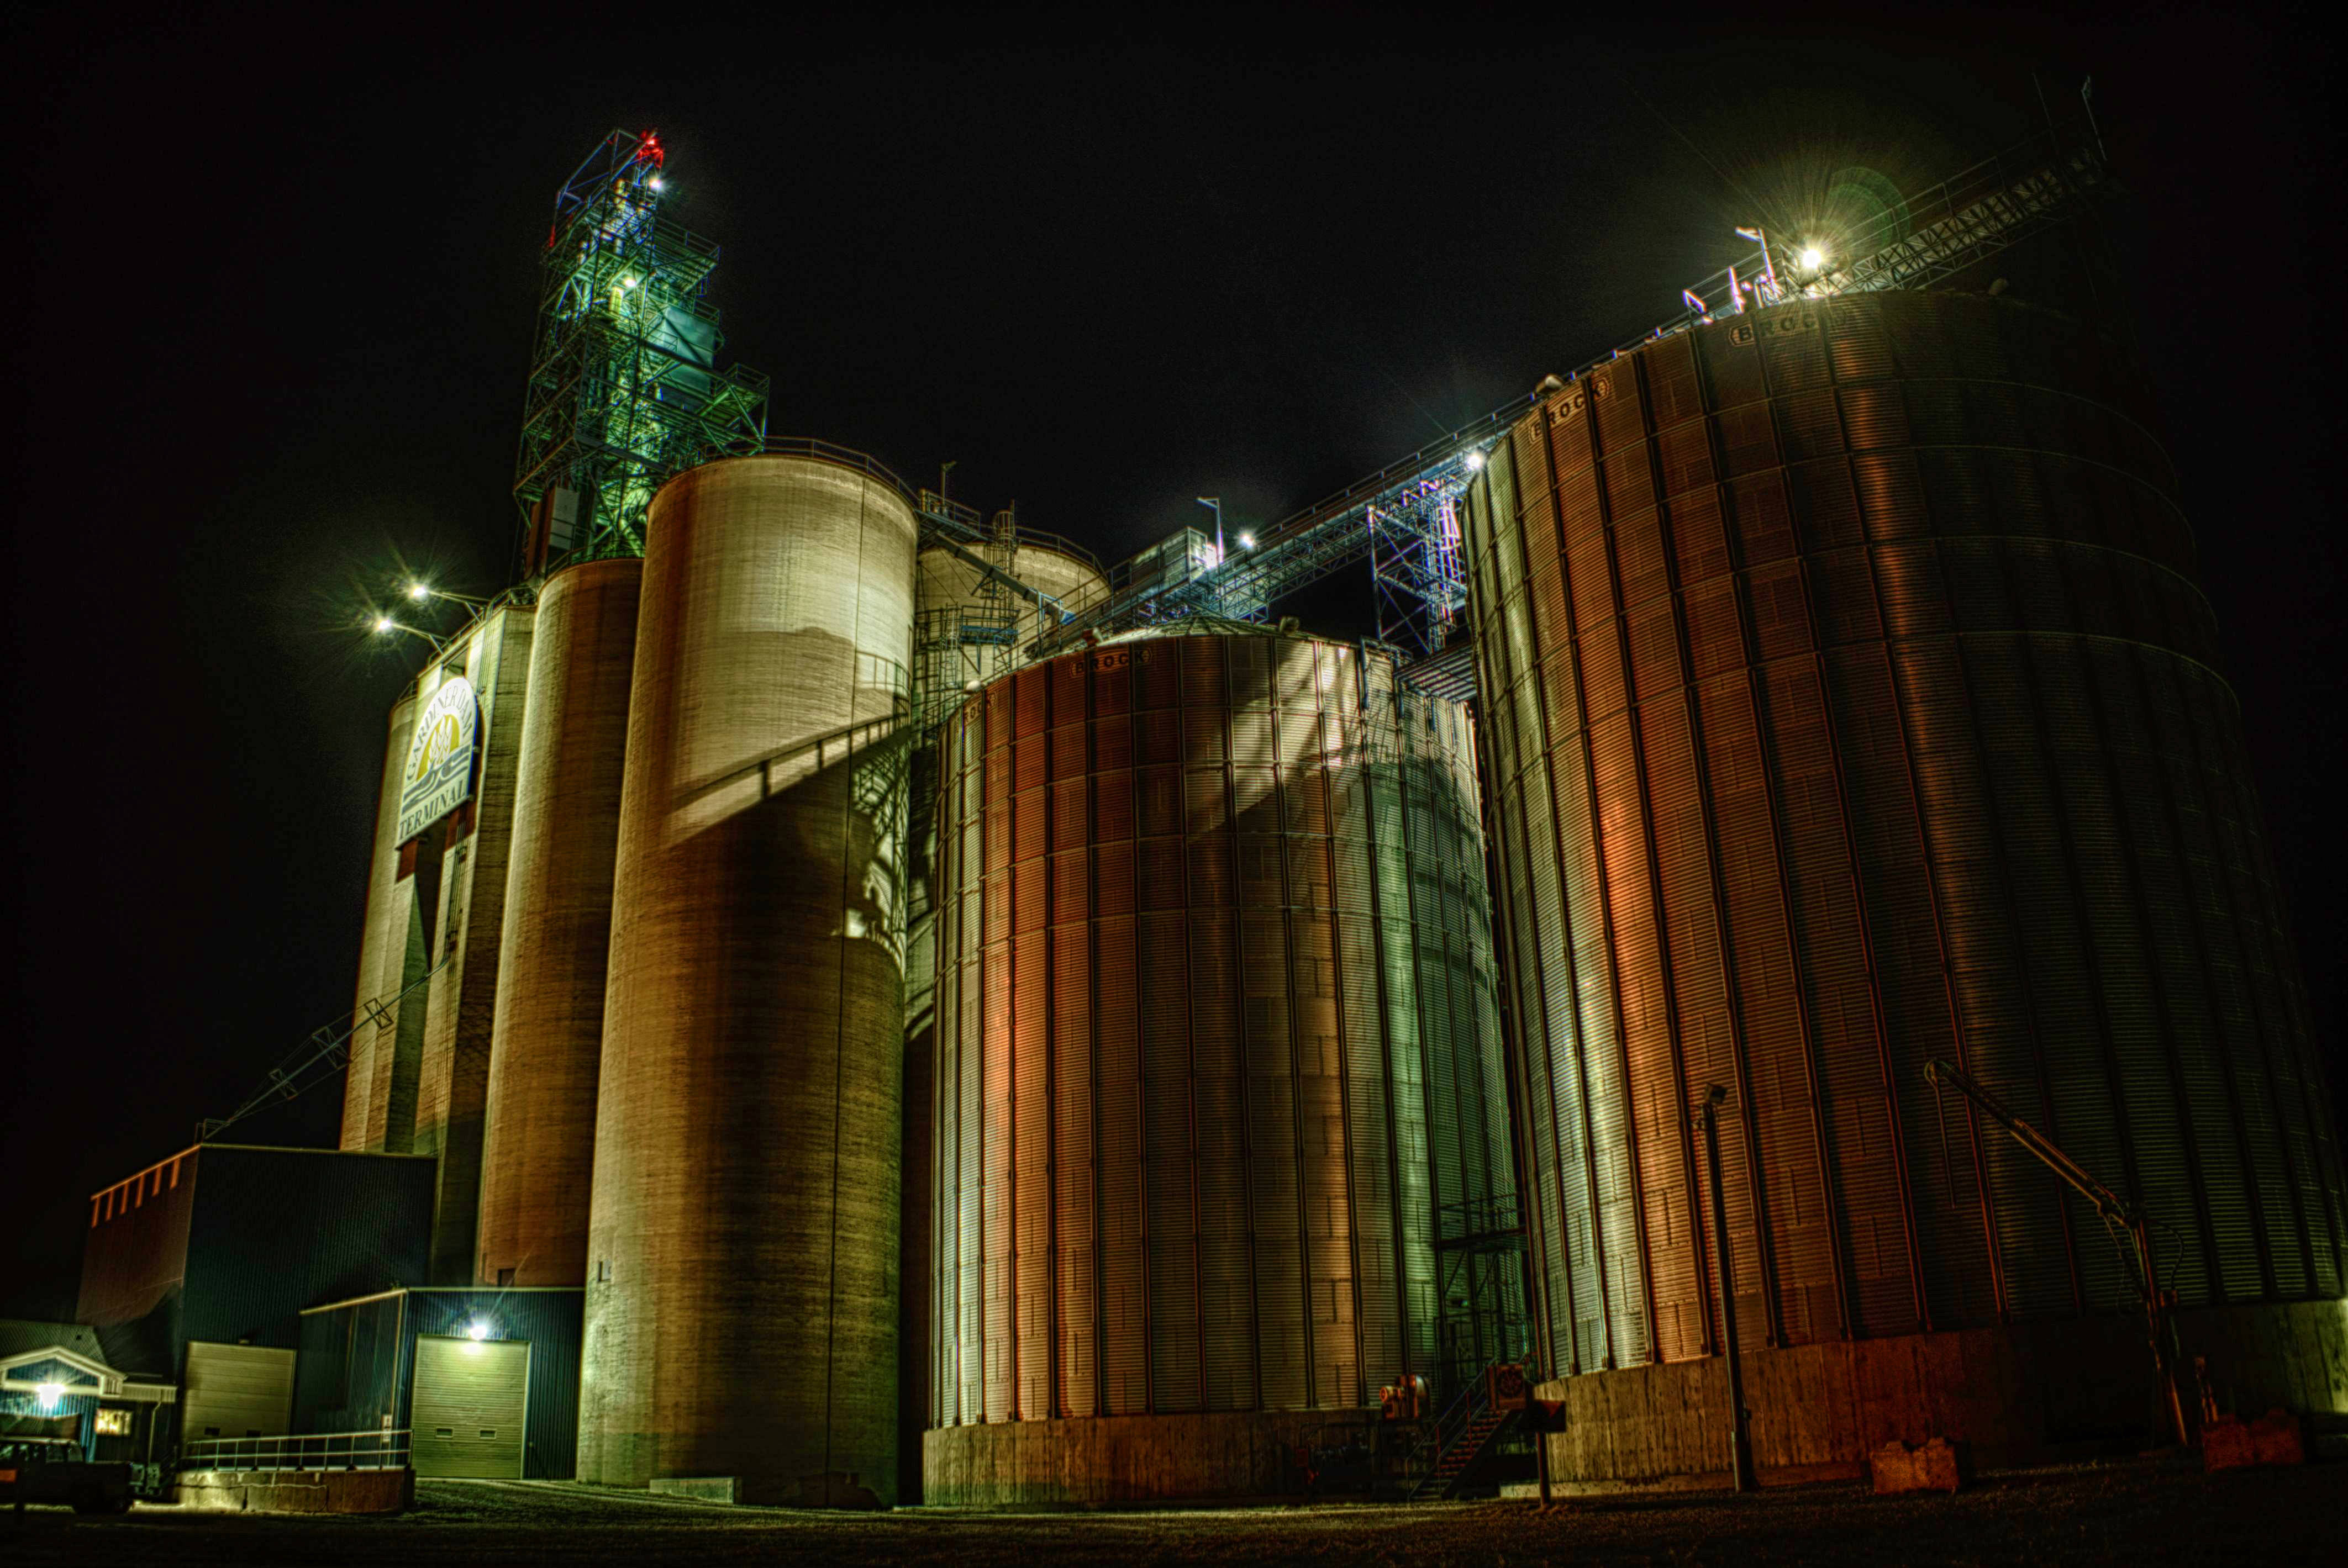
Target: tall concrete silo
[467,931]
[1850,704]
[742,1295]
[548,1039]
[383,953]
[1218,1053]
[972,626]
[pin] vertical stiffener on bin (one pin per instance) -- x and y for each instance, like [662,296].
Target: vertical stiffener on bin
[1849,702]
[1215,1039]
[741,1291]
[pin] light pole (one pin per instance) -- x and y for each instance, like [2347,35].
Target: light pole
[1216,503]
[1740,1433]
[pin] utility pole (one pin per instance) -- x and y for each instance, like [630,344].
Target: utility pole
[1740,1431]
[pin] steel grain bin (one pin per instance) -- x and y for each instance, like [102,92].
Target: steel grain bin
[742,1297]
[1216,1054]
[1850,703]
[548,1039]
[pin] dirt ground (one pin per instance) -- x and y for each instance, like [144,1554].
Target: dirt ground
[2126,1513]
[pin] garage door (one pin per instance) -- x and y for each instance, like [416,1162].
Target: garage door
[470,1399]
[236,1391]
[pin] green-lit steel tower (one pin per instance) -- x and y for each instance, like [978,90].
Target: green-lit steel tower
[624,389]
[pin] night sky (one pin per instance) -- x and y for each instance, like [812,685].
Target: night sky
[280,306]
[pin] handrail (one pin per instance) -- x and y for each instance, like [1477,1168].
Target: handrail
[385,1449]
[846,457]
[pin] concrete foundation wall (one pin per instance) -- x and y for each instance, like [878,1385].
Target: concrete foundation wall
[2017,1394]
[1104,1459]
[296,1492]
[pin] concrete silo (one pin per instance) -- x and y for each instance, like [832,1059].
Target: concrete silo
[972,627]
[742,1294]
[369,1084]
[540,1147]
[468,929]
[1849,704]
[1217,1057]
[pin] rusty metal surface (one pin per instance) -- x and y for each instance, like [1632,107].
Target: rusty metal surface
[1848,700]
[1214,1036]
[539,1147]
[741,1309]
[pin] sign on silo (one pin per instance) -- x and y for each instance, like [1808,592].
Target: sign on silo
[439,777]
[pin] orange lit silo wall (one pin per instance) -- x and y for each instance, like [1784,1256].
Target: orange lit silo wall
[1850,703]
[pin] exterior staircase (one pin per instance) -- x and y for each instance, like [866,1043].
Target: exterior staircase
[1463,1434]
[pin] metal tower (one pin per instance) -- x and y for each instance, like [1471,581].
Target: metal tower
[625,388]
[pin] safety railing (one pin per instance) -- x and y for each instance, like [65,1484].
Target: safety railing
[382,1449]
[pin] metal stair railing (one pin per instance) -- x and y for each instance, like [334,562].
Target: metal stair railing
[1462,1431]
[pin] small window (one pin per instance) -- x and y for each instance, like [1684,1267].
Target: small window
[505,1277]
[444,1431]
[488,1431]
[603,1271]
[113,1423]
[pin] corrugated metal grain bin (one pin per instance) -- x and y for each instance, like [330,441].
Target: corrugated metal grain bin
[539,1148]
[1849,702]
[742,1286]
[1216,1045]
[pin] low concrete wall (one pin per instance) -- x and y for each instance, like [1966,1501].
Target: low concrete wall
[296,1491]
[1111,1459]
[2017,1394]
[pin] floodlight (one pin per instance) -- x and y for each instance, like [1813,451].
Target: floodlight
[418,592]
[1813,257]
[1247,542]
[384,623]
[1475,461]
[51,1394]
[477,1330]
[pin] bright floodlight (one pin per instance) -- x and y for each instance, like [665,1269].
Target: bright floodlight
[1247,542]
[657,183]
[1475,461]
[1813,257]
[418,592]
[384,623]
[49,1393]
[477,1329]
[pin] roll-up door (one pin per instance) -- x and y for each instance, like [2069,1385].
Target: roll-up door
[470,1399]
[236,1391]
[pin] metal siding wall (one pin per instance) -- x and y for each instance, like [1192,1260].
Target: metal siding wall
[1221,898]
[1848,703]
[276,1230]
[550,1320]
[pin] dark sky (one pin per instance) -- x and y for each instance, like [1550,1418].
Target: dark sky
[276,294]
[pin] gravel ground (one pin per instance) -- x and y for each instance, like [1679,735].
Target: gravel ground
[2126,1513]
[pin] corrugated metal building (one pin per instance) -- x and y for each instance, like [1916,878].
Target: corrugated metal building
[486,1382]
[197,1269]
